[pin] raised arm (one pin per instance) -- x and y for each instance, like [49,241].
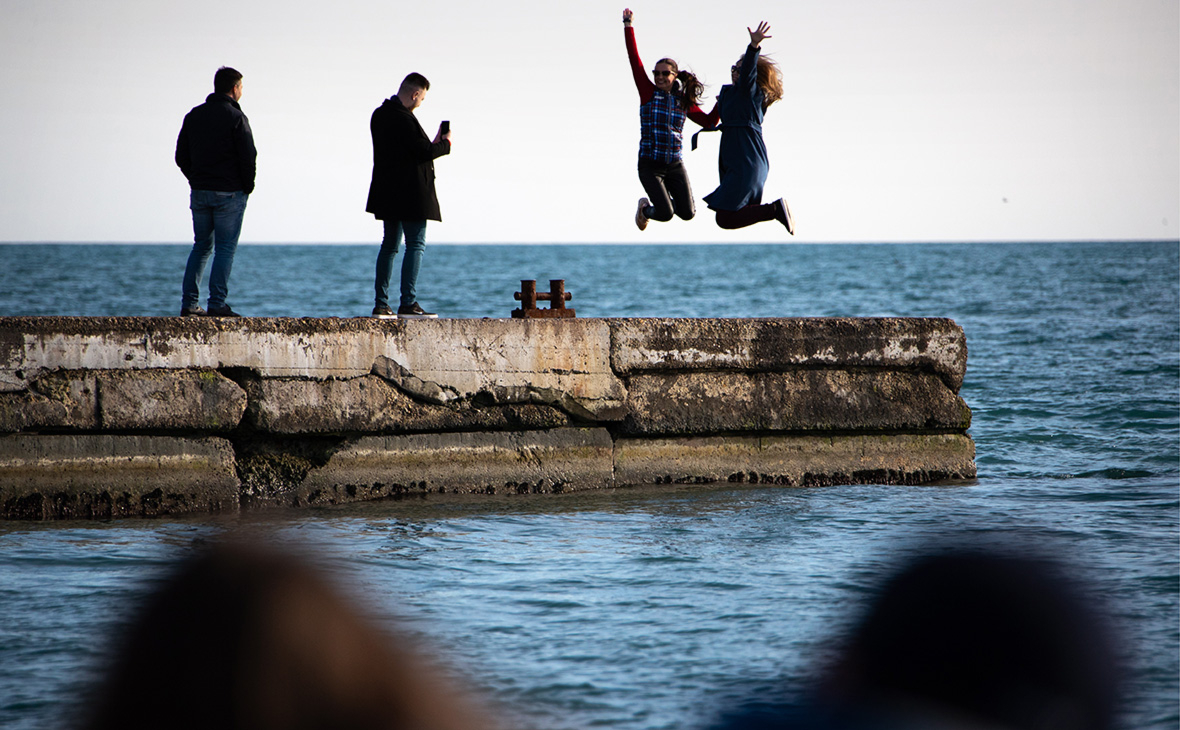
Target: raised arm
[757,35]
[401,138]
[642,83]
[749,74]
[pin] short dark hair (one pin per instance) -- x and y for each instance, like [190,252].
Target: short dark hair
[414,81]
[225,80]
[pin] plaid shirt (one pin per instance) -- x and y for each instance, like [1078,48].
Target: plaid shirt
[661,123]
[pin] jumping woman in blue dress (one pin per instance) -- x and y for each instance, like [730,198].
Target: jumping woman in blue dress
[742,160]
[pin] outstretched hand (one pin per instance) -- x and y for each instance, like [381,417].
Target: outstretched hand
[760,33]
[627,15]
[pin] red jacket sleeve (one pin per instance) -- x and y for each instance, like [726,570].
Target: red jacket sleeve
[708,121]
[645,86]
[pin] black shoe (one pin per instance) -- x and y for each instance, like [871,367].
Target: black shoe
[382,311]
[193,311]
[222,311]
[413,311]
[782,214]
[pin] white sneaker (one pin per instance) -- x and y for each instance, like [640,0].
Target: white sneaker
[640,218]
[782,213]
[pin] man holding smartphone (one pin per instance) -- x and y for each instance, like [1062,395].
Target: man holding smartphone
[402,193]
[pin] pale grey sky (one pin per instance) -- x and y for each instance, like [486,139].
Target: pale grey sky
[904,120]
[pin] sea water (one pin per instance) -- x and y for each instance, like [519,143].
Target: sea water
[653,608]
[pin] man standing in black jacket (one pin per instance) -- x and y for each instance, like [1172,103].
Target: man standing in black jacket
[215,151]
[402,193]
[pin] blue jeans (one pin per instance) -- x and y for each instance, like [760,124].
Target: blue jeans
[415,235]
[217,221]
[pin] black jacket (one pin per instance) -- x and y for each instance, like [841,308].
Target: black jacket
[402,187]
[215,149]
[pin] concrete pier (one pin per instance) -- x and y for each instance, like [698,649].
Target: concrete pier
[103,417]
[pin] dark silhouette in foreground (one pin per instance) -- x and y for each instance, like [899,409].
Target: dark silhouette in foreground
[965,640]
[242,637]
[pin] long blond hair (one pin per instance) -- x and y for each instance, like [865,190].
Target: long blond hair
[770,80]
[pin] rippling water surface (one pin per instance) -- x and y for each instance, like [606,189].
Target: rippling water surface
[650,608]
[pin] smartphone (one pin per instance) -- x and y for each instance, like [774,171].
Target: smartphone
[445,126]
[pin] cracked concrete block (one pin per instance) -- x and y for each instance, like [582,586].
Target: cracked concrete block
[11,383]
[564,363]
[59,400]
[561,363]
[371,405]
[565,459]
[173,400]
[796,460]
[926,344]
[90,476]
[808,400]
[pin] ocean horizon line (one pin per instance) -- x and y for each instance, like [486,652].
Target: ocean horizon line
[936,242]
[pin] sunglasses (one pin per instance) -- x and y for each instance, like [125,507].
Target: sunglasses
[663,73]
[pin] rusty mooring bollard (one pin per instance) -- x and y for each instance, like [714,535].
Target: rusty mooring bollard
[528,297]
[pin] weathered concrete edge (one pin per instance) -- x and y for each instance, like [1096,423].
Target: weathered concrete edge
[101,476]
[602,348]
[438,361]
[558,364]
[504,369]
[530,462]
[689,402]
[798,461]
[933,344]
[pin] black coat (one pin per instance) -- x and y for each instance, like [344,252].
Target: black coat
[403,166]
[215,148]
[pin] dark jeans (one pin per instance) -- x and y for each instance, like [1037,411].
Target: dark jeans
[667,188]
[415,235]
[217,222]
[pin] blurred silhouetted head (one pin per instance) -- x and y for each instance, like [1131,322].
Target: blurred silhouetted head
[242,637]
[960,639]
[976,639]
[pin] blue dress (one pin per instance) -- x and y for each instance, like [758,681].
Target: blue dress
[742,160]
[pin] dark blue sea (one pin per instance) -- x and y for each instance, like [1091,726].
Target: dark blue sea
[652,608]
